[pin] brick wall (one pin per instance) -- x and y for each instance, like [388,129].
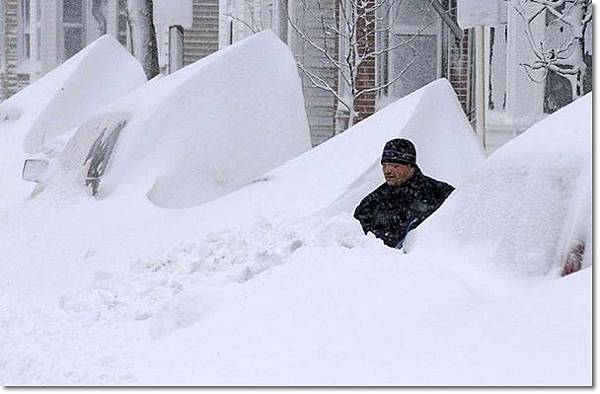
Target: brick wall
[460,70]
[364,106]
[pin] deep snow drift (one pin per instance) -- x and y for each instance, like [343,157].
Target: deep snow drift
[529,205]
[34,119]
[197,134]
[275,283]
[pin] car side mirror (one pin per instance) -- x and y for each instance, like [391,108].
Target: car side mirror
[33,170]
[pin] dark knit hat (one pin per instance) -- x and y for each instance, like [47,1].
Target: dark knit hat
[399,151]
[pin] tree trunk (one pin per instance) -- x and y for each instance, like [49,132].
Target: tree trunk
[99,14]
[145,48]
[576,19]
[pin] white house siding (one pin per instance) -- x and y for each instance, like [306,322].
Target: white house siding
[524,98]
[518,102]
[49,39]
[320,104]
[241,18]
[203,37]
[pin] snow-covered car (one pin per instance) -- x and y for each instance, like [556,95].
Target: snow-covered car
[35,122]
[199,133]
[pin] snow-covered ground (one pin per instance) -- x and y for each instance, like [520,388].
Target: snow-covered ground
[274,283]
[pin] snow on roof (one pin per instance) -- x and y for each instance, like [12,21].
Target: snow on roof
[59,101]
[203,131]
[526,206]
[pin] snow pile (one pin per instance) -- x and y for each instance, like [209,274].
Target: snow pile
[322,307]
[337,174]
[199,133]
[529,205]
[33,119]
[372,316]
[275,283]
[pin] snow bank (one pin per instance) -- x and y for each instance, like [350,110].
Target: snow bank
[201,132]
[367,316]
[275,283]
[337,174]
[32,119]
[529,206]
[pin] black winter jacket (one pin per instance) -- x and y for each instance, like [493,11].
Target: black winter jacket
[391,212]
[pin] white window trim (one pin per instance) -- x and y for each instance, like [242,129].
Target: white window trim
[22,59]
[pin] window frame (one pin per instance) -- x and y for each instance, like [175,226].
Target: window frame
[384,66]
[24,31]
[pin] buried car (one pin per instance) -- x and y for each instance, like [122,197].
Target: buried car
[183,146]
[528,209]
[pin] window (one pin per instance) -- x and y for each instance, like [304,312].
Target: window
[73,27]
[101,150]
[24,38]
[419,58]
[409,41]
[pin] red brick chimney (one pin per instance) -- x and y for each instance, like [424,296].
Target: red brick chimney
[364,106]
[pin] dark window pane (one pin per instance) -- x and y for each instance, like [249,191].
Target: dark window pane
[72,11]
[100,152]
[27,43]
[25,9]
[73,41]
[416,60]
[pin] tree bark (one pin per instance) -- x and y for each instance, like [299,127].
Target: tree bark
[145,47]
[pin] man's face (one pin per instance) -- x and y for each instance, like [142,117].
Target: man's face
[396,174]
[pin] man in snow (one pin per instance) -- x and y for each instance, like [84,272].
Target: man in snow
[406,198]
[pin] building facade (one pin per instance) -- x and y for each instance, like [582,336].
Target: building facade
[516,96]
[413,42]
[410,43]
[38,35]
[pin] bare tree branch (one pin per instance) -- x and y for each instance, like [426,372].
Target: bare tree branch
[567,59]
[243,22]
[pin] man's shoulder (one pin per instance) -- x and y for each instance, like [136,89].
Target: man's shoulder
[377,193]
[370,202]
[437,184]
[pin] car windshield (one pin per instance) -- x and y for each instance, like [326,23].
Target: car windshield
[100,152]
